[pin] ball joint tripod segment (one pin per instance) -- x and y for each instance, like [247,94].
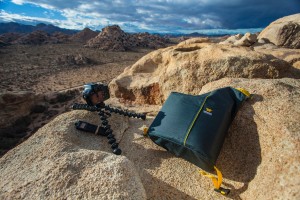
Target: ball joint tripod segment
[104,129]
[102,108]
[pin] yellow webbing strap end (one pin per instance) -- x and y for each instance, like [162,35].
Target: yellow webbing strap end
[217,181]
[145,131]
[244,91]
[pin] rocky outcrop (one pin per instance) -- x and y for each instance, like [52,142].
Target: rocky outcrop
[41,37]
[34,38]
[3,44]
[194,41]
[84,35]
[232,39]
[113,38]
[59,162]
[267,151]
[22,113]
[59,37]
[146,40]
[261,151]
[71,60]
[241,40]
[15,117]
[15,105]
[284,32]
[186,68]
[247,40]
[292,56]
[8,38]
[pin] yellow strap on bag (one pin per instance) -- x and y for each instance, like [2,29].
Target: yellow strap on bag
[217,181]
[145,130]
[244,91]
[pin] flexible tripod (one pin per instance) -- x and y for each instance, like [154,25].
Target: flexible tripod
[104,129]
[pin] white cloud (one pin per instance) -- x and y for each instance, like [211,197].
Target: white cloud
[18,2]
[69,24]
[164,15]
[10,17]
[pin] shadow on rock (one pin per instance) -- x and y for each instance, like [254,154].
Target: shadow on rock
[241,152]
[156,186]
[148,157]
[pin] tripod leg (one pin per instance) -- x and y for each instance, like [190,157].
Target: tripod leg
[125,112]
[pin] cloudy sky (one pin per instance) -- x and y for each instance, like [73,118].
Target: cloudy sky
[176,16]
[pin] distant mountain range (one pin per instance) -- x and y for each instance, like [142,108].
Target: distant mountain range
[13,27]
[195,34]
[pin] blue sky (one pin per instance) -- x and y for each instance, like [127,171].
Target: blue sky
[174,16]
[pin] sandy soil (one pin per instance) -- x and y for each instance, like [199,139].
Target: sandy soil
[47,68]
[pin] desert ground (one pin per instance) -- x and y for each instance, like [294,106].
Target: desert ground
[49,69]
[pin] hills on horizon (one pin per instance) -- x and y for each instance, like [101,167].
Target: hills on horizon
[14,27]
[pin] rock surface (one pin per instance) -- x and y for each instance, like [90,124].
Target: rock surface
[34,38]
[247,40]
[15,117]
[71,60]
[241,40]
[59,37]
[8,38]
[84,35]
[41,37]
[113,38]
[186,68]
[194,41]
[2,43]
[15,105]
[263,145]
[23,113]
[59,162]
[283,32]
[292,56]
[259,160]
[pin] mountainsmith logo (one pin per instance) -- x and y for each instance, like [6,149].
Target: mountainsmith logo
[208,111]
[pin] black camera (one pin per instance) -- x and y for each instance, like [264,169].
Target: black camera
[95,93]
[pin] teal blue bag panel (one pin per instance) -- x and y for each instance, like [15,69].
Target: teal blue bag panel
[181,111]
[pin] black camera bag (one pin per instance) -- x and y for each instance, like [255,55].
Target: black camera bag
[194,127]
